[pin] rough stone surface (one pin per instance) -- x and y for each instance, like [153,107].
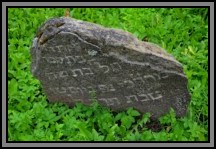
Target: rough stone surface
[71,58]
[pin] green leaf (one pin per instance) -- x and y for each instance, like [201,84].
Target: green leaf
[83,130]
[54,119]
[96,136]
[133,112]
[119,116]
[127,121]
[144,119]
[12,87]
[25,137]
[147,135]
[122,130]
[111,134]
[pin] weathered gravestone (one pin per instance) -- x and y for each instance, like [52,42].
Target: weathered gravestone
[72,57]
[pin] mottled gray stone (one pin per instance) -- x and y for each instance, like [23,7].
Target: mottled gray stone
[72,58]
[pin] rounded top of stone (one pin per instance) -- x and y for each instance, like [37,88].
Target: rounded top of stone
[113,36]
[103,37]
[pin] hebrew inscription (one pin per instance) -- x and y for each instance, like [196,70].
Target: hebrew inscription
[64,60]
[77,57]
[68,73]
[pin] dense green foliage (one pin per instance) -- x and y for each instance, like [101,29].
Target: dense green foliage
[182,32]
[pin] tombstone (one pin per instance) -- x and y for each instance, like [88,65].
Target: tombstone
[72,58]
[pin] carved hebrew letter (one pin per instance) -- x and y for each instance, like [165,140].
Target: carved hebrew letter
[73,90]
[102,88]
[111,88]
[62,90]
[139,79]
[51,60]
[156,95]
[144,97]
[51,75]
[104,100]
[84,89]
[90,89]
[59,48]
[80,59]
[88,71]
[59,60]
[106,88]
[70,59]
[131,98]
[69,48]
[104,67]
[91,61]
[121,84]
[72,97]
[53,90]
[75,74]
[113,101]
[63,74]
[160,76]
[131,84]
